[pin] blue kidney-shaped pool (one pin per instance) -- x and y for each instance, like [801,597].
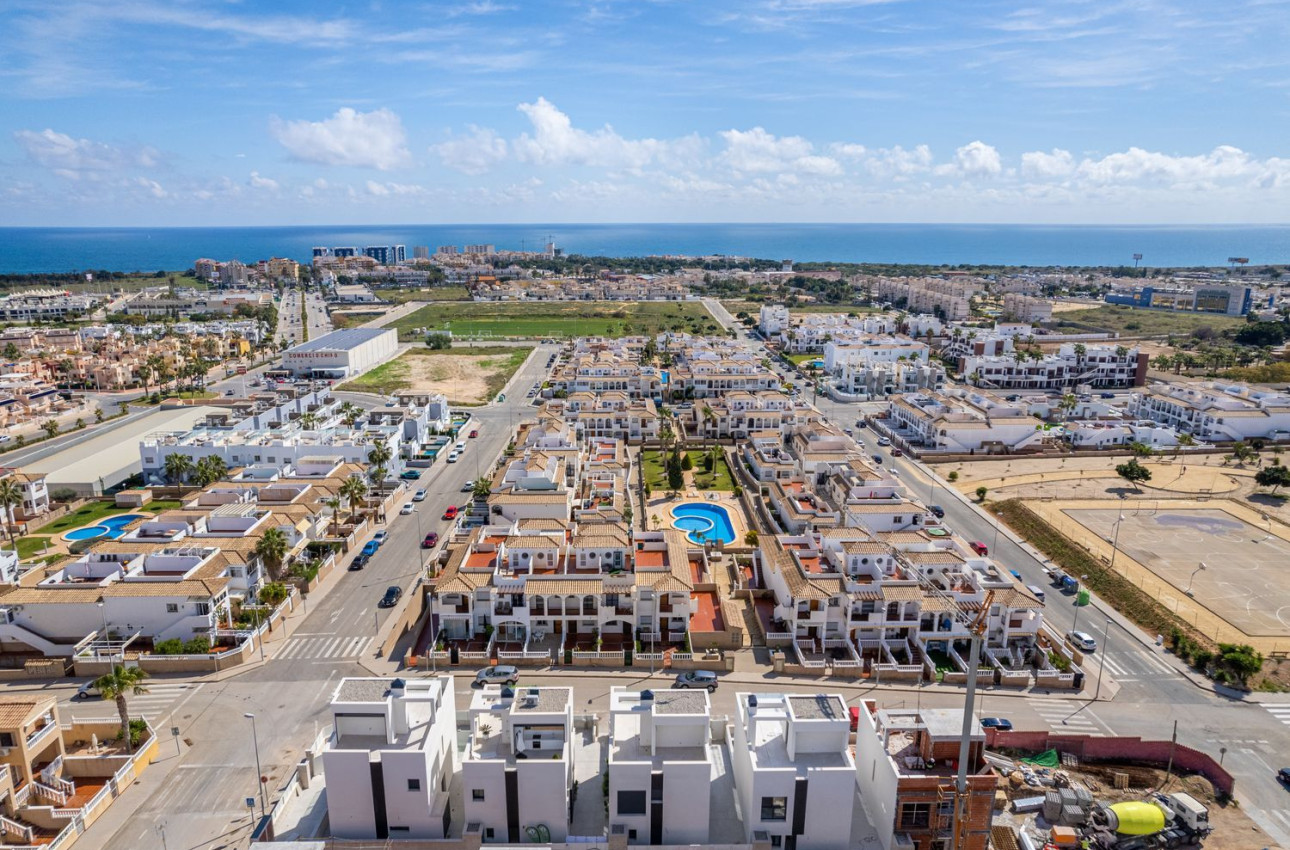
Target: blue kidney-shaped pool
[704,523]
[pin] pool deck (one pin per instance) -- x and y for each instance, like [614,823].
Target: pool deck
[659,510]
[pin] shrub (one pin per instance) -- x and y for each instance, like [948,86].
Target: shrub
[199,645]
[174,646]
[137,730]
[953,476]
[686,462]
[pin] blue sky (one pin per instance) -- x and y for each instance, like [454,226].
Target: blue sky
[214,112]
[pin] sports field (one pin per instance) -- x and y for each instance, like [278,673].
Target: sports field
[542,319]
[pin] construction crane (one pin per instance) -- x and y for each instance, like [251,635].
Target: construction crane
[976,628]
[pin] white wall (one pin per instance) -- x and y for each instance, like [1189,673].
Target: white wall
[349,794]
[876,776]
[412,809]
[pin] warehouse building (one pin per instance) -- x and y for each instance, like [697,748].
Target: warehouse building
[341,354]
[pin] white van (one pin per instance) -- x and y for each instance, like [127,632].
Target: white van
[1038,593]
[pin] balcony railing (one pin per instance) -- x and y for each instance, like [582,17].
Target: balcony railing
[39,736]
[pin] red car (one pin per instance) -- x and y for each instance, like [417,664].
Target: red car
[451,512]
[474,433]
[978,547]
[432,540]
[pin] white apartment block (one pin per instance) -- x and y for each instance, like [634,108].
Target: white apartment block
[40,304]
[773,320]
[391,758]
[1097,434]
[1025,308]
[1214,411]
[1098,366]
[518,765]
[794,773]
[813,331]
[881,366]
[948,299]
[738,415]
[661,765]
[963,420]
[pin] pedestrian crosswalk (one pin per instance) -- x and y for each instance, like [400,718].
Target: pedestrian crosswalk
[1279,710]
[1072,717]
[156,703]
[1133,666]
[324,647]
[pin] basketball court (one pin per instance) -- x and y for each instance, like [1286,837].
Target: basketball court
[1246,576]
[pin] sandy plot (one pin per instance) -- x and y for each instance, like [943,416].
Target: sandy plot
[1069,306]
[459,377]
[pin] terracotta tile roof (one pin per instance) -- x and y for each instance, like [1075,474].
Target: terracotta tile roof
[865,547]
[531,541]
[15,710]
[901,593]
[562,585]
[932,604]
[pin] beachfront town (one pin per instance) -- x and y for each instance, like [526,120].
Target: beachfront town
[472,546]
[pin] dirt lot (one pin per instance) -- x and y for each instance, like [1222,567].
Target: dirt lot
[465,378]
[1233,829]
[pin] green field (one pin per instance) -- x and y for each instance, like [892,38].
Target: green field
[1131,322]
[753,307]
[655,474]
[557,319]
[340,321]
[799,359]
[431,293]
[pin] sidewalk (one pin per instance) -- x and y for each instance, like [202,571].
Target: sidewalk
[125,807]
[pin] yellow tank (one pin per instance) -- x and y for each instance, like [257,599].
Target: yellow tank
[1137,818]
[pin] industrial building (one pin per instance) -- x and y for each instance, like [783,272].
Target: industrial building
[341,354]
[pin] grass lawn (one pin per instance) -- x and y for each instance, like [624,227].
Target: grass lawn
[654,473]
[557,319]
[432,293]
[340,321]
[1131,322]
[160,505]
[29,547]
[799,359]
[86,514]
[720,477]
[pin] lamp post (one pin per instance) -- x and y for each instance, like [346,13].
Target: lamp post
[1115,542]
[1193,578]
[259,772]
[1102,661]
[998,522]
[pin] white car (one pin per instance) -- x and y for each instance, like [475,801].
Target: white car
[407,508]
[1082,641]
[883,441]
[461,446]
[452,458]
[419,496]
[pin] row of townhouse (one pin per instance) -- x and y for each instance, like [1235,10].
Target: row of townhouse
[739,414]
[542,583]
[963,420]
[29,340]
[1214,411]
[46,304]
[948,299]
[395,768]
[1073,364]
[175,574]
[597,368]
[881,366]
[23,401]
[811,332]
[610,413]
[1027,308]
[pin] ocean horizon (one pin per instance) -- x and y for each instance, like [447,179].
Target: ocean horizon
[31,250]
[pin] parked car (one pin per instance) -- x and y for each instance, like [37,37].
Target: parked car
[450,512]
[380,537]
[1108,395]
[360,561]
[87,691]
[409,475]
[1003,724]
[1283,776]
[419,496]
[937,511]
[883,441]
[978,547]
[393,594]
[431,540]
[1082,641]
[474,433]
[877,459]
[502,674]
[407,508]
[370,547]
[697,679]
[897,453]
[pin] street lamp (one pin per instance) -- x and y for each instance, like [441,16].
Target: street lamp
[1115,542]
[998,522]
[1193,578]
[1102,661]
[259,773]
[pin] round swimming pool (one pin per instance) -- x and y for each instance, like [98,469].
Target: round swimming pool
[704,523]
[109,529]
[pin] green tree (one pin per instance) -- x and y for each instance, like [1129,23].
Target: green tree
[210,469]
[1240,660]
[272,547]
[334,504]
[50,427]
[1275,477]
[439,341]
[1243,452]
[379,456]
[118,684]
[1141,449]
[687,463]
[675,477]
[178,467]
[354,490]
[273,593]
[11,352]
[481,488]
[1133,472]
[980,492]
[750,537]
[10,497]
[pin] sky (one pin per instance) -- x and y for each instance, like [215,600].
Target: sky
[242,112]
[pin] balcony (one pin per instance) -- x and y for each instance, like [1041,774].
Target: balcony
[41,735]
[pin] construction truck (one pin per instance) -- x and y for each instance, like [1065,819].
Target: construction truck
[1164,821]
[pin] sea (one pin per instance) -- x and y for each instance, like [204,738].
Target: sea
[25,250]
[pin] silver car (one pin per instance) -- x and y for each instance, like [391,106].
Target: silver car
[502,674]
[697,679]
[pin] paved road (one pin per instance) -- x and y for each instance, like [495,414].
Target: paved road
[1151,693]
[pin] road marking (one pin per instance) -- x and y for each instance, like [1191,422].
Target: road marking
[324,648]
[152,705]
[1067,717]
[1281,711]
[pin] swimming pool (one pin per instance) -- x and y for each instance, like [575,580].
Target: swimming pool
[109,529]
[704,523]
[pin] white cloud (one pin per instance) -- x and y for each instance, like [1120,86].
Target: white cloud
[1135,164]
[360,139]
[555,141]
[73,158]
[899,163]
[757,151]
[975,159]
[258,182]
[152,187]
[382,190]
[848,149]
[474,153]
[1037,165]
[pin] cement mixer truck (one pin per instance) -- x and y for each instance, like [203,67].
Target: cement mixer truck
[1164,821]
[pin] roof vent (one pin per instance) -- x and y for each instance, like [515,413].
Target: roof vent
[646,696]
[508,692]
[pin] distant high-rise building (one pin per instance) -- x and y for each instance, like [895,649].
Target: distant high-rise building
[446,249]
[420,252]
[480,249]
[206,269]
[386,255]
[344,252]
[320,251]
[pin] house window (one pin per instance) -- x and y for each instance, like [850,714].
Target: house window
[488,833]
[6,739]
[631,802]
[414,784]
[172,608]
[777,841]
[915,815]
[203,608]
[774,808]
[477,795]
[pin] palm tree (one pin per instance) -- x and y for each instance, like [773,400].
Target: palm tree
[482,488]
[1068,404]
[378,457]
[272,547]
[334,504]
[10,497]
[211,469]
[116,685]
[350,413]
[178,467]
[355,491]
[309,421]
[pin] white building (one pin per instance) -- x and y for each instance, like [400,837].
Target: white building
[1215,411]
[660,765]
[341,354]
[881,366]
[963,420]
[391,758]
[794,774]
[772,319]
[518,764]
[1098,366]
